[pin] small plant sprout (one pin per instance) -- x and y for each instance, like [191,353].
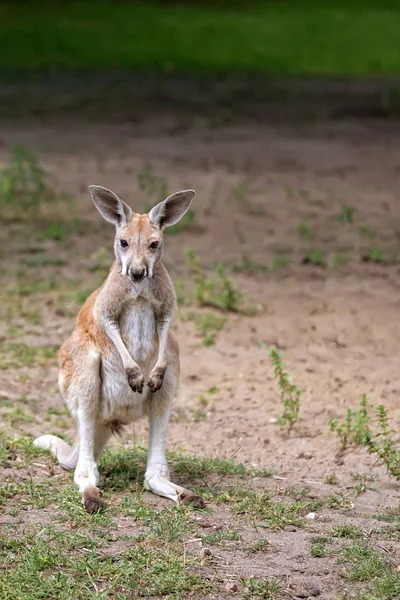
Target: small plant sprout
[383,445]
[354,430]
[289,393]
[346,215]
[215,291]
[306,231]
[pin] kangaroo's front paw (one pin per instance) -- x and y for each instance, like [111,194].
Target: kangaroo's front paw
[156,378]
[135,379]
[91,499]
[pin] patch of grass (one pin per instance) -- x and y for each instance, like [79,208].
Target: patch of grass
[68,565]
[260,507]
[15,356]
[363,562]
[14,415]
[24,185]
[57,232]
[218,537]
[347,531]
[315,257]
[269,589]
[262,545]
[289,393]
[340,503]
[336,39]
[209,324]
[318,546]
[354,430]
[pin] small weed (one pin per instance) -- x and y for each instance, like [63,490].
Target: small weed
[363,483]
[347,531]
[209,325]
[306,231]
[315,257]
[354,430]
[289,393]
[268,589]
[262,545]
[383,445]
[339,259]
[332,479]
[340,503]
[280,261]
[217,291]
[346,214]
[375,254]
[55,231]
[318,546]
[367,232]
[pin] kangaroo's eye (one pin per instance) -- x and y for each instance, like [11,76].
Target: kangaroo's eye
[124,243]
[154,245]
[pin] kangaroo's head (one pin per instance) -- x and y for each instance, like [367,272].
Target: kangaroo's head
[139,238]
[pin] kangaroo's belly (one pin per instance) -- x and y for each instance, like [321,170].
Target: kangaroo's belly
[138,331]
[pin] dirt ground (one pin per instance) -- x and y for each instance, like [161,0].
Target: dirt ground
[256,182]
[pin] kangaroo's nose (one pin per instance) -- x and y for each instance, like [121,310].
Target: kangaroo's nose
[137,274]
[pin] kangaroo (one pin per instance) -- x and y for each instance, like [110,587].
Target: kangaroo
[122,361]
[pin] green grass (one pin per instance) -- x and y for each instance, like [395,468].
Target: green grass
[285,38]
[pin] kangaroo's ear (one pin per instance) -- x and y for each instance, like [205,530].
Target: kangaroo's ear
[111,208]
[171,210]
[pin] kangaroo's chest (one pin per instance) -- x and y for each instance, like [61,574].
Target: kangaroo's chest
[138,329]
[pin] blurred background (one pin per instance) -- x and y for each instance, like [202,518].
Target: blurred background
[283,115]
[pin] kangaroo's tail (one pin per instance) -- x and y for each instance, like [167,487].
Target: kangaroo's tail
[66,455]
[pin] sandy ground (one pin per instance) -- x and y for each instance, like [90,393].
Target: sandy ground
[338,329]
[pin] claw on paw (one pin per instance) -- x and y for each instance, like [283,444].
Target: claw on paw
[156,378]
[135,379]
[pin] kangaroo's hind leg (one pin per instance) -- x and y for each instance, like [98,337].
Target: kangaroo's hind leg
[93,436]
[157,476]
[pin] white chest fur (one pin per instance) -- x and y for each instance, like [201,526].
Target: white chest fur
[138,330]
[137,325]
